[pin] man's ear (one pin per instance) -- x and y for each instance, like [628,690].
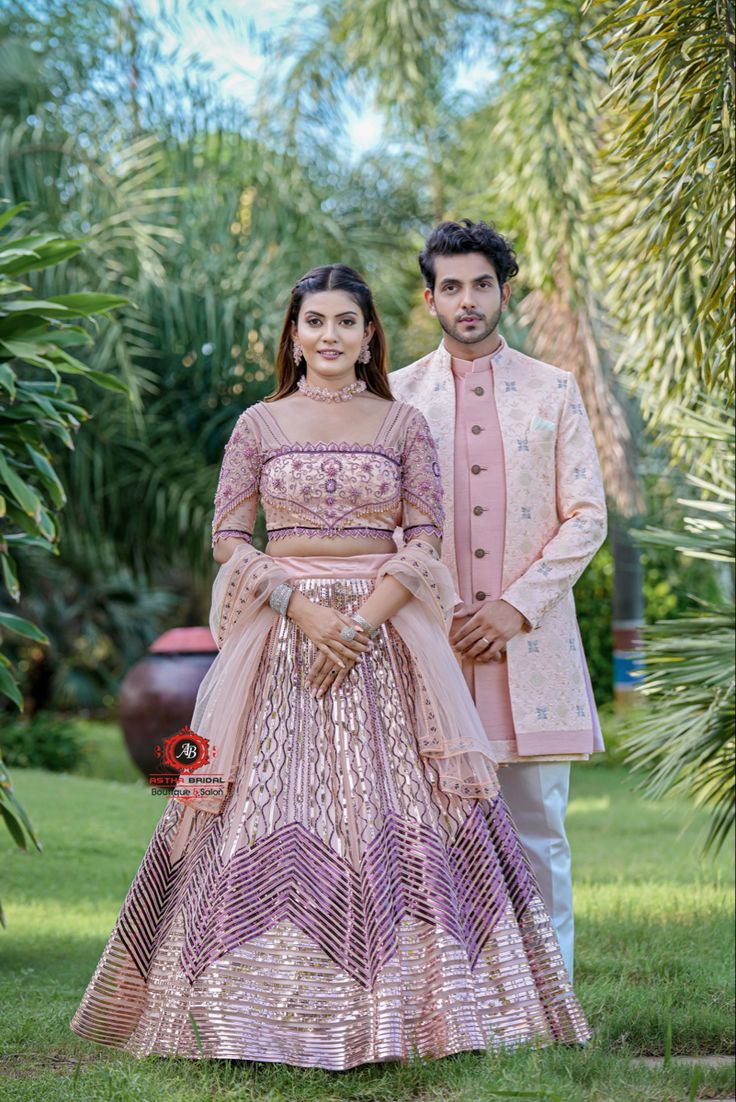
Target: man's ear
[505,295]
[429,299]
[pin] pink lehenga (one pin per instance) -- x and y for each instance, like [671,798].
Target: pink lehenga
[359,892]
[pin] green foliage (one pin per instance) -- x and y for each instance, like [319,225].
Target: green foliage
[669,583]
[687,744]
[15,818]
[99,618]
[668,194]
[593,594]
[35,338]
[43,742]
[548,134]
[36,334]
[137,170]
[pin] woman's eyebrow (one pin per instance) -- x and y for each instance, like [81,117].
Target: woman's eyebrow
[344,314]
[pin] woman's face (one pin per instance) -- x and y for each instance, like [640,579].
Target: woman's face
[331,329]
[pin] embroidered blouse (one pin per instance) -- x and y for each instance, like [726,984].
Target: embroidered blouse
[330,489]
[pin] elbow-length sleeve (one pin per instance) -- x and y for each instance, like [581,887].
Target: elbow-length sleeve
[421,485]
[236,499]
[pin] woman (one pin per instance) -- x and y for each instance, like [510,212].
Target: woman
[355,891]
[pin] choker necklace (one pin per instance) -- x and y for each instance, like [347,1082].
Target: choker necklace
[323,394]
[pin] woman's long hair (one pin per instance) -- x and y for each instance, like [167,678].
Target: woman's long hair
[332,277]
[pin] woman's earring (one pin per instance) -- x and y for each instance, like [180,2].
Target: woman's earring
[297,352]
[364,356]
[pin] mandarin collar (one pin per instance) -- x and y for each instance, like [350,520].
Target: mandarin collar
[482,363]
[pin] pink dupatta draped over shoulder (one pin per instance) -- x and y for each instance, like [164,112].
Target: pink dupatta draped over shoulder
[449,730]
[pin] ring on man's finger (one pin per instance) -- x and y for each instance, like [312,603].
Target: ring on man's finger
[486,642]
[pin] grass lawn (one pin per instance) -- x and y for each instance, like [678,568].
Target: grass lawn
[654,959]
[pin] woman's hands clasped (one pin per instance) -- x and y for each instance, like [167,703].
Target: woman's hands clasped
[339,642]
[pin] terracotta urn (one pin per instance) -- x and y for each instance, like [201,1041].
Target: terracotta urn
[158,693]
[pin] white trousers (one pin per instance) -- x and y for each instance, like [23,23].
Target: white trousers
[536,794]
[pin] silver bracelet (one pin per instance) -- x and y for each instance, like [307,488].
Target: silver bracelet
[279,599]
[369,629]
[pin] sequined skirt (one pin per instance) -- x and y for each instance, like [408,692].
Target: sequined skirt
[341,909]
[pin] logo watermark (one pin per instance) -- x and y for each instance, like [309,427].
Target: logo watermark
[185,752]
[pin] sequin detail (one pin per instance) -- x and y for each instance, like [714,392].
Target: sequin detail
[315,533]
[330,489]
[342,909]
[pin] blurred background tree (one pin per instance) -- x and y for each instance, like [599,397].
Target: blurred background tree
[599,136]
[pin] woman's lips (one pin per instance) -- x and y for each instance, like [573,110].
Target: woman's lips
[329,354]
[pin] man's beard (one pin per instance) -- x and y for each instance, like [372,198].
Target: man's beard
[457,334]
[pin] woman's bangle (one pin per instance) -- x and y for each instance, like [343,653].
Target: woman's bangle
[279,599]
[369,629]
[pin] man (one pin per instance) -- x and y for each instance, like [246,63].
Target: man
[525,514]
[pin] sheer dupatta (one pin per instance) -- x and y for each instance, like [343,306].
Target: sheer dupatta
[240,621]
[450,732]
[449,729]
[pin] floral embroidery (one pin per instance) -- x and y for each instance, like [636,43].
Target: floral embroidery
[539,587]
[236,500]
[421,482]
[330,489]
[335,488]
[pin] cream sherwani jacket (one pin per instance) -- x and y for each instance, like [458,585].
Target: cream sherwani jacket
[555,523]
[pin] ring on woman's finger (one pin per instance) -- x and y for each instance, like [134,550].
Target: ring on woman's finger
[348,634]
[486,642]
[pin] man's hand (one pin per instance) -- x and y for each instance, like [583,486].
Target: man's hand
[483,629]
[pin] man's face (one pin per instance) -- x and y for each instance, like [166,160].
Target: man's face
[467,299]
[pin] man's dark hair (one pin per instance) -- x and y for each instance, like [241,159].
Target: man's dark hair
[458,238]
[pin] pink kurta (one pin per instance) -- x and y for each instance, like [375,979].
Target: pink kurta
[480,530]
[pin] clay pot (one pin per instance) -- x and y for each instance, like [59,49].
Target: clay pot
[158,693]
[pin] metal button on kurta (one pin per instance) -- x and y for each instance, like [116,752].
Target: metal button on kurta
[476,429]
[475,469]
[479,553]
[480,595]
[478,510]
[479,391]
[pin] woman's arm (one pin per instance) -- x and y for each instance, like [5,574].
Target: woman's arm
[224,548]
[390,595]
